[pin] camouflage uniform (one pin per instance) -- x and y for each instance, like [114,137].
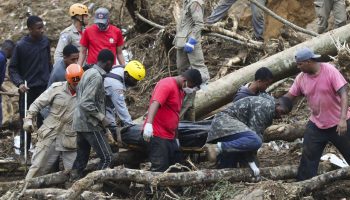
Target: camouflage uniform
[252,113]
[55,136]
[238,130]
[70,35]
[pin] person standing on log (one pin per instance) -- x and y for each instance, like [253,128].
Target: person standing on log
[324,8]
[239,128]
[55,137]
[89,118]
[6,49]
[326,92]
[263,79]
[71,35]
[257,20]
[163,118]
[31,62]
[101,35]
[189,54]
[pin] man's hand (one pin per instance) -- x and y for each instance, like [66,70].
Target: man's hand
[342,127]
[22,88]
[148,132]
[105,122]
[28,125]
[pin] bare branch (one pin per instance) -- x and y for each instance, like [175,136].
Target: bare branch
[284,21]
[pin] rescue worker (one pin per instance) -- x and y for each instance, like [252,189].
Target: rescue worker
[55,137]
[263,79]
[239,128]
[116,82]
[89,119]
[258,20]
[189,54]
[324,8]
[163,119]
[71,35]
[70,56]
[101,35]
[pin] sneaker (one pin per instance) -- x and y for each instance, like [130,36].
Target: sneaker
[212,152]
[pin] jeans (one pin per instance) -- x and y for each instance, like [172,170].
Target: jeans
[315,140]
[240,147]
[163,154]
[98,141]
[32,94]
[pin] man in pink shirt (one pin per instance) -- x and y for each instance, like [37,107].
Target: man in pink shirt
[326,92]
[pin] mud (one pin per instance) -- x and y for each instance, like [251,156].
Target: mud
[154,50]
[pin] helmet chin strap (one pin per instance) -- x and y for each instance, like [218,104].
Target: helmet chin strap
[81,22]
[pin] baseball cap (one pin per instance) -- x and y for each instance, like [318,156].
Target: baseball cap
[101,16]
[305,54]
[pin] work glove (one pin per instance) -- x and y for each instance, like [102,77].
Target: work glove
[28,125]
[148,132]
[189,46]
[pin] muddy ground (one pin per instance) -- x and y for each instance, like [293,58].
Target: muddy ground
[153,48]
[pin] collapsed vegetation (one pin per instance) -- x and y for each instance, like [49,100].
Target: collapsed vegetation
[153,46]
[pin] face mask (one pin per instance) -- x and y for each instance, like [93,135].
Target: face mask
[188,90]
[102,27]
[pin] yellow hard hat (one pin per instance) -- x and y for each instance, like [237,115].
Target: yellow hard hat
[78,9]
[135,70]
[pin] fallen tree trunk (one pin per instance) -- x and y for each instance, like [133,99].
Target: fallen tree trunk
[39,182]
[128,158]
[282,65]
[294,190]
[176,179]
[46,193]
[286,132]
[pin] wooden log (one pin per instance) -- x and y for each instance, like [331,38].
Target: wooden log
[282,65]
[42,181]
[286,132]
[175,179]
[45,193]
[295,190]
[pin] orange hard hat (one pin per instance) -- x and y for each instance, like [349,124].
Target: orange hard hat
[74,72]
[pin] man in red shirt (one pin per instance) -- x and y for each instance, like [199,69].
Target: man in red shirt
[101,35]
[163,117]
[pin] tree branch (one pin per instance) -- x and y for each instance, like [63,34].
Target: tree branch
[214,32]
[284,21]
